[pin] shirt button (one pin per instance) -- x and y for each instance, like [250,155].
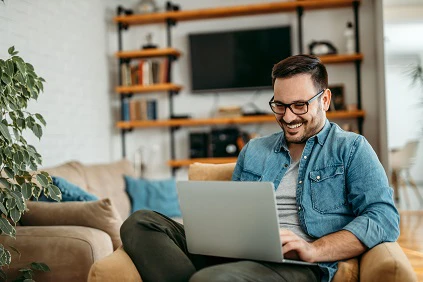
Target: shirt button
[299,208]
[318,177]
[300,182]
[305,157]
[286,165]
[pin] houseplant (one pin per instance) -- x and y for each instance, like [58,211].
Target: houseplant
[19,179]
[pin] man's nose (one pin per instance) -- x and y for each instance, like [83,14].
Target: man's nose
[289,116]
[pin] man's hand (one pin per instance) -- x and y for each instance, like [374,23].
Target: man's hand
[295,247]
[332,247]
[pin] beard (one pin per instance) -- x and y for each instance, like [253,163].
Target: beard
[308,129]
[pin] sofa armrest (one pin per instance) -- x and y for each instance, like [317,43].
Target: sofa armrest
[69,251]
[385,263]
[115,267]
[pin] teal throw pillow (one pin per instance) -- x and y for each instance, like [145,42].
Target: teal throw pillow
[70,192]
[156,195]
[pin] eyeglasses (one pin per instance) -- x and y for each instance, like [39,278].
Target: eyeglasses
[298,108]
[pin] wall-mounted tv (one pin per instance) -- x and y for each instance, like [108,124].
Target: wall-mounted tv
[234,60]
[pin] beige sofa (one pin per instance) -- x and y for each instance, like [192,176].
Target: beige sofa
[385,262]
[70,237]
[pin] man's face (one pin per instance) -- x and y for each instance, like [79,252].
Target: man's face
[300,88]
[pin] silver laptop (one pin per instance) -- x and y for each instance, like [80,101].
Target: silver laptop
[232,219]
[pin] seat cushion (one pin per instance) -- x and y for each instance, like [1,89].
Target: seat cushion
[97,214]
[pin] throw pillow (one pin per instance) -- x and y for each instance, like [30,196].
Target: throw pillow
[70,192]
[157,195]
[100,214]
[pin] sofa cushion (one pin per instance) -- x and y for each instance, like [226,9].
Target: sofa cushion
[106,181]
[72,171]
[216,172]
[70,192]
[157,195]
[98,214]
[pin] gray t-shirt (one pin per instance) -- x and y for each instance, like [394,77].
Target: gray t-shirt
[287,204]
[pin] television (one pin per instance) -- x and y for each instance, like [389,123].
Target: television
[237,60]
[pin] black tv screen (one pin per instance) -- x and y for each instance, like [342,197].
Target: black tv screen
[237,59]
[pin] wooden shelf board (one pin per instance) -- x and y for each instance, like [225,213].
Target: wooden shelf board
[187,162]
[241,10]
[148,53]
[148,88]
[216,121]
[341,58]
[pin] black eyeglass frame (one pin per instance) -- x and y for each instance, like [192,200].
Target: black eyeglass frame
[307,103]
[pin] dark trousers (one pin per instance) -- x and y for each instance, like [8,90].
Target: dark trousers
[158,248]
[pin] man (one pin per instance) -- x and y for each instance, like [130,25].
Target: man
[332,194]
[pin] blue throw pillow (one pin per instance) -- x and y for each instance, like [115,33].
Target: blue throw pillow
[157,195]
[70,192]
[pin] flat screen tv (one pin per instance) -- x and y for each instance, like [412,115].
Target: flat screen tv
[237,59]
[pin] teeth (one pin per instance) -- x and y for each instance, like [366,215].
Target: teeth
[292,126]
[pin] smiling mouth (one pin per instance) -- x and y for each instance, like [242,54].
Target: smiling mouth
[293,126]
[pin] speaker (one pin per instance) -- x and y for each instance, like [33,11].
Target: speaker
[224,142]
[199,145]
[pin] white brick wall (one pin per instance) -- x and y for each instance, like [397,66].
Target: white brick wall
[65,41]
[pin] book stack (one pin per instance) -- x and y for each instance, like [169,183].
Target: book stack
[145,72]
[139,110]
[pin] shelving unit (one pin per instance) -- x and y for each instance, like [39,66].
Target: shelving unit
[224,121]
[170,18]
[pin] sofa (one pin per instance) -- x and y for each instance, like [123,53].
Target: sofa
[385,262]
[69,237]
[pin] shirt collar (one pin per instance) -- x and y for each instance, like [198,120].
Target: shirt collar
[320,137]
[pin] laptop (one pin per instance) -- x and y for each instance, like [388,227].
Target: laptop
[232,219]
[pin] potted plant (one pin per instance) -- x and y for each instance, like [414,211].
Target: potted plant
[19,178]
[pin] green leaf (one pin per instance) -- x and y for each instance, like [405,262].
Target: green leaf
[36,191]
[6,79]
[29,67]
[11,50]
[41,119]
[42,179]
[40,266]
[4,182]
[15,215]
[7,228]
[10,68]
[9,172]
[10,203]
[20,202]
[27,190]
[54,192]
[38,131]
[21,66]
[3,209]
[5,132]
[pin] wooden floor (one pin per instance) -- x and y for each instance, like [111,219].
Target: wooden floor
[411,239]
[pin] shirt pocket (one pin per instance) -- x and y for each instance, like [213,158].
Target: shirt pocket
[250,176]
[328,188]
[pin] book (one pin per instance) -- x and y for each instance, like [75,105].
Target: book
[125,110]
[152,110]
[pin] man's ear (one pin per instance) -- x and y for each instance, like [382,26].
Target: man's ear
[326,99]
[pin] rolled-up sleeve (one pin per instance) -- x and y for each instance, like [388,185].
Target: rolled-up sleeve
[369,194]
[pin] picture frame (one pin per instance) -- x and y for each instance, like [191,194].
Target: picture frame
[338,97]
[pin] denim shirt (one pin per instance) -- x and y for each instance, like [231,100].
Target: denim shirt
[341,185]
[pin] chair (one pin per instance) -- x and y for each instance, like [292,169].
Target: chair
[383,263]
[401,162]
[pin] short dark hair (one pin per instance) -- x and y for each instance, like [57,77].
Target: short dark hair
[301,64]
